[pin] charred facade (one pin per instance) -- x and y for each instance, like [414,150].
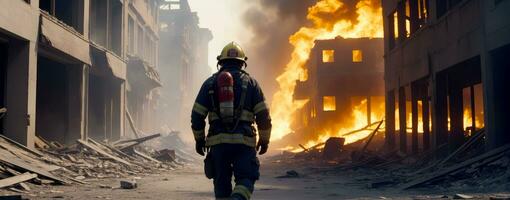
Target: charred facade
[446,72]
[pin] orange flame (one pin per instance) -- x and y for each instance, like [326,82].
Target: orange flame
[324,26]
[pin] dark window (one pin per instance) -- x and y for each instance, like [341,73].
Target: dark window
[66,11]
[46,5]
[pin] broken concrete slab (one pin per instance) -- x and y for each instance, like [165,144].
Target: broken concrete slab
[333,147]
[126,184]
[166,155]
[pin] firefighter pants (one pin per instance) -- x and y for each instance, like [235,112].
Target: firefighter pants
[238,160]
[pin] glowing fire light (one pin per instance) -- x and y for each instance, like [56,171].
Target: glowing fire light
[369,23]
[359,116]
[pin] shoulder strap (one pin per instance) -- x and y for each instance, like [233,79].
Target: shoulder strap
[244,86]
[212,85]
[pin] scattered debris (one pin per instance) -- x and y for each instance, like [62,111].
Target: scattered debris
[333,147]
[462,196]
[480,160]
[290,174]
[500,197]
[86,160]
[128,184]
[166,155]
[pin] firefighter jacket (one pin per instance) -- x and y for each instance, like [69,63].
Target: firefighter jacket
[250,107]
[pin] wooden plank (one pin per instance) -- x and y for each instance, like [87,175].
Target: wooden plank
[17,179]
[145,156]
[35,152]
[132,123]
[361,129]
[371,136]
[303,147]
[482,159]
[110,148]
[103,153]
[140,140]
[478,135]
[15,162]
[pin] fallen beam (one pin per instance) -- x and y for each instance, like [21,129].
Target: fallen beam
[102,152]
[132,123]
[21,165]
[303,147]
[361,129]
[35,152]
[110,148]
[139,140]
[146,157]
[481,160]
[371,136]
[16,179]
[477,136]
[131,145]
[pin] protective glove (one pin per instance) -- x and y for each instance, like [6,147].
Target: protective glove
[262,147]
[200,147]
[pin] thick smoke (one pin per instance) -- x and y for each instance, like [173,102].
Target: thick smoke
[272,22]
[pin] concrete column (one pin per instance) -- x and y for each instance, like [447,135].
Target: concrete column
[86,74]
[456,136]
[414,112]
[440,110]
[426,123]
[122,110]
[86,18]
[21,81]
[402,119]
[390,120]
[495,73]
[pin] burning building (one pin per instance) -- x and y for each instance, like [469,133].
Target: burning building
[63,66]
[184,52]
[446,70]
[344,88]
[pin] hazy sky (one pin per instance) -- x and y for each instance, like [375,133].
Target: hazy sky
[224,19]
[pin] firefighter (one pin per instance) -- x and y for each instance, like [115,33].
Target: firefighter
[232,101]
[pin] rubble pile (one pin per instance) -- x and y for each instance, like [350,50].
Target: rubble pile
[469,167]
[87,160]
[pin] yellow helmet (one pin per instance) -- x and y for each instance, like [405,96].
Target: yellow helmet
[232,51]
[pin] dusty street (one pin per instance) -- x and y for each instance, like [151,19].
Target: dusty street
[188,182]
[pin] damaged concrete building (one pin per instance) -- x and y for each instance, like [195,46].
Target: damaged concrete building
[343,75]
[142,61]
[184,53]
[446,72]
[63,67]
